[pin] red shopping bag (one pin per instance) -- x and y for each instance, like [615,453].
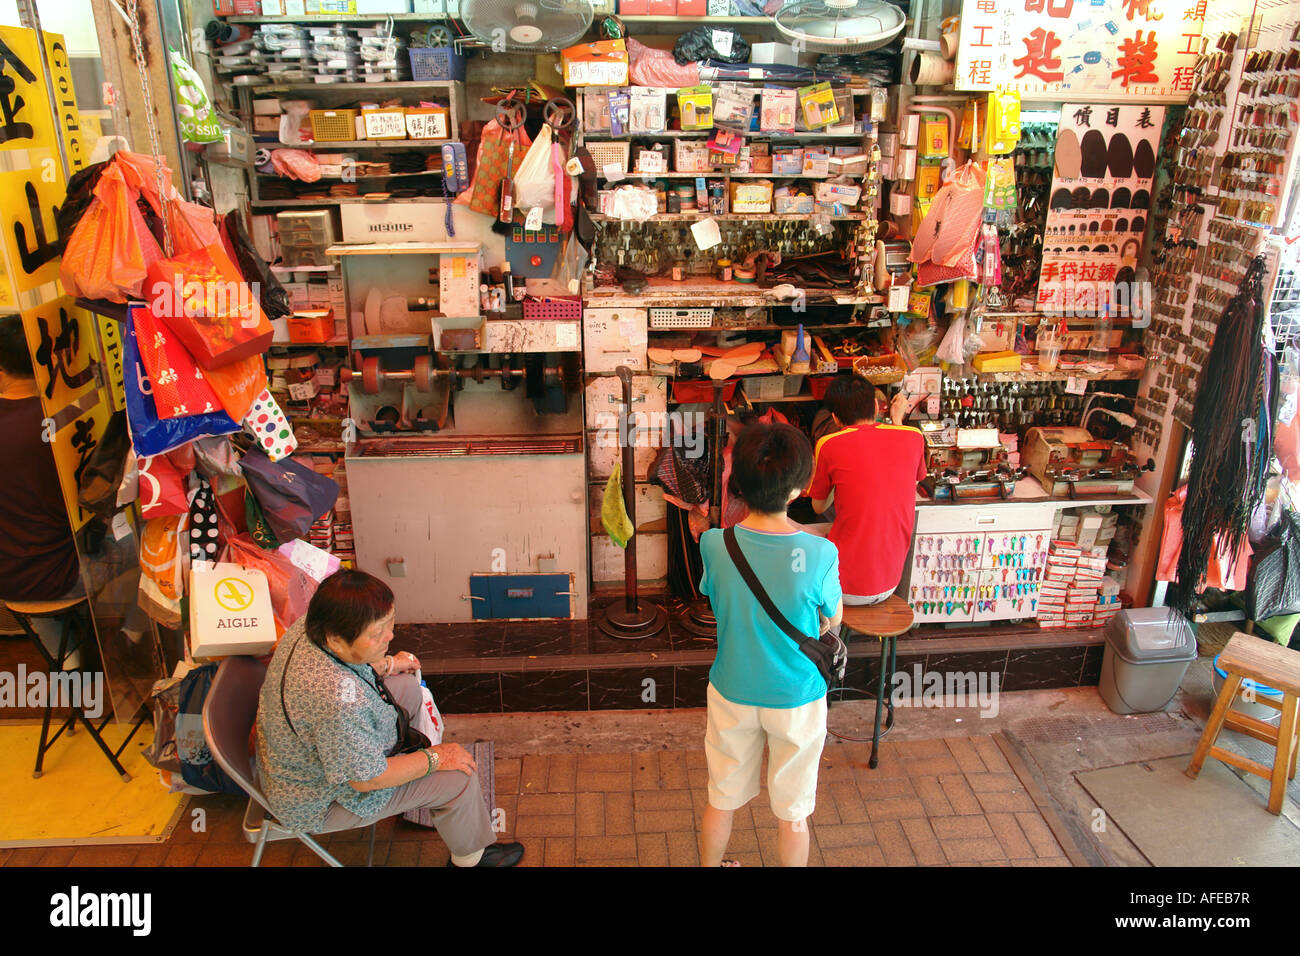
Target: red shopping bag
[204,300]
[162,488]
[179,388]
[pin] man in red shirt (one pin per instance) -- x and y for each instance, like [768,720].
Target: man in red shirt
[870,472]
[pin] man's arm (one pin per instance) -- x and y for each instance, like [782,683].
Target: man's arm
[821,504]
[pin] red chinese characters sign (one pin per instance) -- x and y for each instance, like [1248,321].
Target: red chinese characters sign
[1092,48]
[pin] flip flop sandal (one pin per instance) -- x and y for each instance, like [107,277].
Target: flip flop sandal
[730,863]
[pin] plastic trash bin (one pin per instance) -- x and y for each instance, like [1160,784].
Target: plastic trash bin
[1147,653]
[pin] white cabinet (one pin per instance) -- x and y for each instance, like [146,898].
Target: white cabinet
[614,337]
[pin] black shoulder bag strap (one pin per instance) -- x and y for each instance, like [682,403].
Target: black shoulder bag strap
[747,572]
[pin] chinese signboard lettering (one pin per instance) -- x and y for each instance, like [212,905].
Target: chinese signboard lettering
[1140,48]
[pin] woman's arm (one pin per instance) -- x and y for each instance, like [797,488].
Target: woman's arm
[407,767]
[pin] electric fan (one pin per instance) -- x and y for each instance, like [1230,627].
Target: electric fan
[839,26]
[528,26]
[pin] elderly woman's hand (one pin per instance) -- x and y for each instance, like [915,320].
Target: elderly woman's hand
[454,757]
[405,662]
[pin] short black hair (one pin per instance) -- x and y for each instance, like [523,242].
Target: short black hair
[14,357]
[346,603]
[851,399]
[767,463]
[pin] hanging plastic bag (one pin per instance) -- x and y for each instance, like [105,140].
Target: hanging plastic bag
[291,587]
[270,427]
[290,494]
[951,349]
[162,572]
[179,388]
[535,178]
[151,435]
[198,118]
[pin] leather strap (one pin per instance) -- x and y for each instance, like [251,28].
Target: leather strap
[747,572]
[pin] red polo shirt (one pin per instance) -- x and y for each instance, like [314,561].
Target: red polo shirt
[874,470]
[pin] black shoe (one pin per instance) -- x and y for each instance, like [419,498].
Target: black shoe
[500,854]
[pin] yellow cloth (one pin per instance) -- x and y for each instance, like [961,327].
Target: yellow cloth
[613,510]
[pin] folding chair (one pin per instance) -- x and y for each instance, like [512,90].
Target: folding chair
[229,712]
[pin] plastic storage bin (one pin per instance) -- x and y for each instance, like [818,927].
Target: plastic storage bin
[1260,711]
[436,63]
[1147,653]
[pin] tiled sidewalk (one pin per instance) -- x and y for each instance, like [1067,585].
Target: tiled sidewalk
[957,801]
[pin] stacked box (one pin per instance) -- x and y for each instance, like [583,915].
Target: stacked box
[1108,603]
[1072,585]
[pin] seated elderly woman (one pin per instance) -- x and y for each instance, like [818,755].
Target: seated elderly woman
[330,736]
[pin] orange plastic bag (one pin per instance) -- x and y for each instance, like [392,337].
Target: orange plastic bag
[238,385]
[291,588]
[109,253]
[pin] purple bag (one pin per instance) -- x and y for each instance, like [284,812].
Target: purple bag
[291,495]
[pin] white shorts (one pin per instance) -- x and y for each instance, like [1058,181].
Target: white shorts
[733,746]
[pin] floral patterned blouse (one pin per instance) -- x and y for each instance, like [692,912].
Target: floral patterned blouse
[341,730]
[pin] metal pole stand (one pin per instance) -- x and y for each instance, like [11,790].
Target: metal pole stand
[699,619]
[634,620]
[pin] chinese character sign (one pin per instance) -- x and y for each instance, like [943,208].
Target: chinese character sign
[1098,206]
[1142,48]
[63,339]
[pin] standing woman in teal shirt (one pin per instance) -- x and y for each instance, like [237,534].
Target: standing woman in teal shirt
[762,689]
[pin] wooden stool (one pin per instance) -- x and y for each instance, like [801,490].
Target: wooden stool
[883,621]
[1265,663]
[73,616]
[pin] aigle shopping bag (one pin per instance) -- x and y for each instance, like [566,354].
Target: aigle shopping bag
[230,612]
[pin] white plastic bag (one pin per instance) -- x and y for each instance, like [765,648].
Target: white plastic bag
[428,719]
[951,348]
[535,179]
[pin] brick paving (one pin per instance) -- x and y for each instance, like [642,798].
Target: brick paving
[952,802]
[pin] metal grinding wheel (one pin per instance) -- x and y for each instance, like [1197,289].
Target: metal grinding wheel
[371,376]
[422,373]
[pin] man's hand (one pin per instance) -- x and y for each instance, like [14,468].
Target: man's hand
[454,757]
[902,405]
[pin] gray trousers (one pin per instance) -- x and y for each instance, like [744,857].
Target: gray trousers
[459,813]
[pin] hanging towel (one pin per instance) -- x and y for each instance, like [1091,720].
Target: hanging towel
[613,510]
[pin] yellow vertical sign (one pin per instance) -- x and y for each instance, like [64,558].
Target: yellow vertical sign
[62,337]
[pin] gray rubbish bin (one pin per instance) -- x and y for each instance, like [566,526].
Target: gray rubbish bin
[1147,653]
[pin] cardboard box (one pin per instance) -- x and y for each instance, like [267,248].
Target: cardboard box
[603,63]
[753,196]
[230,612]
[837,193]
[773,53]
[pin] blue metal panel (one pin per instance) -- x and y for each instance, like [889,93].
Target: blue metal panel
[521,595]
[480,597]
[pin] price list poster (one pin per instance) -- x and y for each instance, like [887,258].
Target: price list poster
[1081,49]
[1098,206]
